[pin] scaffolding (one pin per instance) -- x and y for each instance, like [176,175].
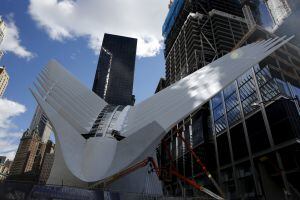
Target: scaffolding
[180,10]
[202,39]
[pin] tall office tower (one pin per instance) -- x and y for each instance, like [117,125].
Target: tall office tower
[246,131]
[41,122]
[29,157]
[115,71]
[2,31]
[4,78]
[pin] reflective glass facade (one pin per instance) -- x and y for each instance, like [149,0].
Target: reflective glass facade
[115,71]
[252,116]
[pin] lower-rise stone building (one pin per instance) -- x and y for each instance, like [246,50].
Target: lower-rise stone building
[4,169]
[4,78]
[29,157]
[46,167]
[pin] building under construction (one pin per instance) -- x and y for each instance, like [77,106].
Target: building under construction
[243,135]
[198,32]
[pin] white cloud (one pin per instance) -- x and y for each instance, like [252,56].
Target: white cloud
[9,109]
[9,133]
[12,42]
[9,146]
[142,19]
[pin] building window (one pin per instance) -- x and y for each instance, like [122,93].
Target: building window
[267,85]
[231,101]
[180,147]
[197,127]
[290,161]
[284,120]
[173,147]
[187,135]
[188,165]
[218,111]
[257,133]
[281,84]
[223,149]
[201,153]
[294,86]
[245,180]
[228,183]
[248,94]
[238,141]
[283,87]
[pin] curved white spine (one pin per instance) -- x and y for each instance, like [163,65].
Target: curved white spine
[72,110]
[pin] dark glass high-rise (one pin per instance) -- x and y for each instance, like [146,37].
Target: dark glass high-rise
[115,71]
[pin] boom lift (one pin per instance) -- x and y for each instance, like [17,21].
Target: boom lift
[161,173]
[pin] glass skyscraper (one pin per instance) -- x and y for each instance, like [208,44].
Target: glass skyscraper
[115,71]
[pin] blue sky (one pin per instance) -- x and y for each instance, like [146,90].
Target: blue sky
[42,30]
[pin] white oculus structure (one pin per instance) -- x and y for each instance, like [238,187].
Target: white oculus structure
[74,111]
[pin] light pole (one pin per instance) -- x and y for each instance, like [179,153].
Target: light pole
[256,104]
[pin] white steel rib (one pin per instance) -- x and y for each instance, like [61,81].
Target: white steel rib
[72,110]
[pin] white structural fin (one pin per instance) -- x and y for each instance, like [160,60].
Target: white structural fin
[72,110]
[175,102]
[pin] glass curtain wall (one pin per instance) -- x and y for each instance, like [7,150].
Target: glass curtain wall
[264,88]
